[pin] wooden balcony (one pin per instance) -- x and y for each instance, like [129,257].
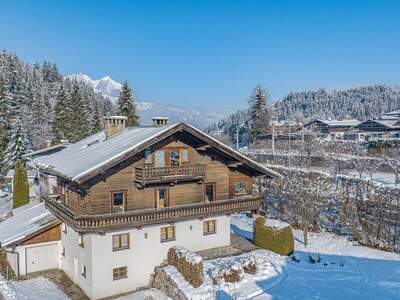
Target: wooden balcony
[151,175]
[137,219]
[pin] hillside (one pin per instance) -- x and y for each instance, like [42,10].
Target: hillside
[359,103]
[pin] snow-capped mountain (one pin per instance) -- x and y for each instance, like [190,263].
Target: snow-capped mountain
[111,89]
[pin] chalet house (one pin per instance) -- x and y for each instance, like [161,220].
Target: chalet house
[382,128]
[333,128]
[391,115]
[128,194]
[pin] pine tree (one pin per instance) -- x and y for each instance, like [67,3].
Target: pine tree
[126,105]
[4,117]
[79,125]
[20,185]
[60,116]
[259,112]
[97,124]
[18,148]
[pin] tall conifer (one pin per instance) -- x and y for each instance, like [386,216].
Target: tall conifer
[126,105]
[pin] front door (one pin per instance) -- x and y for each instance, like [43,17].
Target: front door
[209,192]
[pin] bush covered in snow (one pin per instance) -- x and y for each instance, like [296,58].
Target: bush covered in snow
[229,270]
[189,264]
[248,264]
[278,239]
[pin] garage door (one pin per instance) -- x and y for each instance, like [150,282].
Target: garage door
[39,258]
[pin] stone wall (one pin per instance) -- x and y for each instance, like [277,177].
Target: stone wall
[164,283]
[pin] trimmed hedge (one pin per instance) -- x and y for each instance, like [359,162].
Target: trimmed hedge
[280,241]
[189,264]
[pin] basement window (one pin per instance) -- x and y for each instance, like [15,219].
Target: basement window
[120,273]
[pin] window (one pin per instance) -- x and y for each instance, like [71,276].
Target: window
[118,202]
[64,227]
[209,192]
[240,188]
[120,273]
[147,156]
[80,241]
[83,270]
[185,155]
[63,251]
[120,241]
[174,158]
[167,233]
[209,227]
[162,198]
[160,158]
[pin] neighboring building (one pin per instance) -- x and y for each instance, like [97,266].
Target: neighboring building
[383,128]
[31,238]
[282,130]
[127,195]
[32,180]
[333,128]
[391,115]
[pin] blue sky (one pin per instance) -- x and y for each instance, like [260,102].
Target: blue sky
[211,54]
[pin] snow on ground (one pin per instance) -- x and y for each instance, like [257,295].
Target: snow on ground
[145,294]
[33,289]
[346,271]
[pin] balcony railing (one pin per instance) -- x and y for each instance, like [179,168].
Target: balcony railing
[107,222]
[148,175]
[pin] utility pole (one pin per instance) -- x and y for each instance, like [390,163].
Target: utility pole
[237,137]
[273,138]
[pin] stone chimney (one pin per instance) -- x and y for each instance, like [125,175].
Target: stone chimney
[160,121]
[114,125]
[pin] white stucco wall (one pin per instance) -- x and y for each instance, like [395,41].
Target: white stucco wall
[141,258]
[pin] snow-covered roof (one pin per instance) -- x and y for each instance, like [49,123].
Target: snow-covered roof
[350,122]
[393,113]
[30,173]
[79,160]
[25,222]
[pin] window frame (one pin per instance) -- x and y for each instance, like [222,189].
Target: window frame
[124,192]
[80,241]
[120,242]
[120,273]
[83,271]
[157,200]
[214,184]
[148,157]
[245,188]
[206,225]
[167,239]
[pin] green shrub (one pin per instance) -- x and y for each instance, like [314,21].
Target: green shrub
[280,241]
[20,185]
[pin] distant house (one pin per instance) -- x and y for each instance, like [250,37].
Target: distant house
[334,128]
[31,238]
[391,115]
[383,128]
[281,130]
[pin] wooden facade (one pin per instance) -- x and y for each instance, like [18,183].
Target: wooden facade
[178,173]
[49,234]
